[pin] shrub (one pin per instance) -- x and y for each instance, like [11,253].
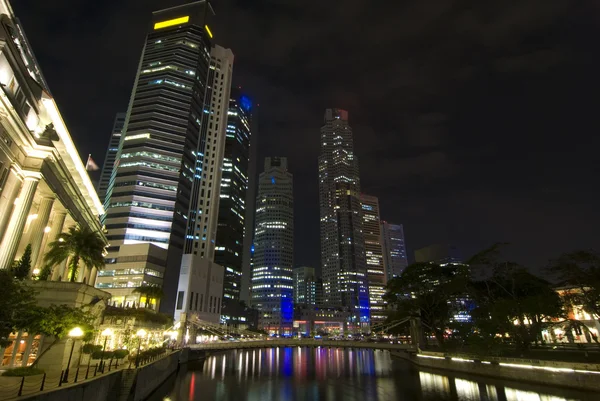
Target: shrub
[91,348]
[20,372]
[120,353]
[98,355]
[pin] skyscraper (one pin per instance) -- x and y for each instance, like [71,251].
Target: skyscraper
[305,286]
[374,256]
[342,243]
[234,184]
[150,191]
[111,155]
[394,249]
[272,288]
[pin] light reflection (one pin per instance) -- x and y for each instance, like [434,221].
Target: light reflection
[467,390]
[520,395]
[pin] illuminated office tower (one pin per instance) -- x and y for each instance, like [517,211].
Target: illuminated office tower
[305,286]
[150,191]
[111,155]
[234,185]
[374,256]
[272,284]
[342,244]
[394,249]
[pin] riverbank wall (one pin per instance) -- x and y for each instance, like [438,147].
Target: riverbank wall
[120,385]
[578,376]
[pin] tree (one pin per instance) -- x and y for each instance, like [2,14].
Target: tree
[22,267]
[511,300]
[78,244]
[16,298]
[150,292]
[428,291]
[581,271]
[56,321]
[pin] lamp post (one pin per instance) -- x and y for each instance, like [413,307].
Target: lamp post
[106,333]
[140,334]
[74,334]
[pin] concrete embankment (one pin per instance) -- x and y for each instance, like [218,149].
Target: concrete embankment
[120,385]
[562,374]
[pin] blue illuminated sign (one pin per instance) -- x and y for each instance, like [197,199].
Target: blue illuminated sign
[245,103]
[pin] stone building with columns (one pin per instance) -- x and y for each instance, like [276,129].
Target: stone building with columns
[44,186]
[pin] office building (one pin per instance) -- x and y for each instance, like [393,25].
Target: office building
[442,254]
[160,162]
[374,256]
[272,284]
[394,249]
[229,249]
[342,244]
[111,155]
[305,286]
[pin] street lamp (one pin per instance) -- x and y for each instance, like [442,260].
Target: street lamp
[74,334]
[140,334]
[106,333]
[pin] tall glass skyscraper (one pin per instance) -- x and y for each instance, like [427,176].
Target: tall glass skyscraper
[374,256]
[342,243]
[111,155]
[234,184]
[272,285]
[150,191]
[394,249]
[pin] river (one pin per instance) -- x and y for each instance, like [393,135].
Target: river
[328,374]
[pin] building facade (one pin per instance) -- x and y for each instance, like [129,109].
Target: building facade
[229,251]
[394,249]
[169,153]
[272,283]
[342,244]
[374,256]
[44,187]
[111,155]
[44,190]
[305,286]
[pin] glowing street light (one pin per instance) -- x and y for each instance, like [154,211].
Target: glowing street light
[74,334]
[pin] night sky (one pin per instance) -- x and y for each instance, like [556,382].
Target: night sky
[474,121]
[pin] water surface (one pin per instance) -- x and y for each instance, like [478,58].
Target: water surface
[328,374]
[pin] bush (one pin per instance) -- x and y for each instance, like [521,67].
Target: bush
[20,372]
[98,355]
[120,353]
[91,348]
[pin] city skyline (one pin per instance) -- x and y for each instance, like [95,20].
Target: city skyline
[441,174]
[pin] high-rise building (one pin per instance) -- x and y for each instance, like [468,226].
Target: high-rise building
[111,155]
[234,185]
[394,249]
[342,244]
[272,284]
[374,256]
[305,286]
[442,254]
[158,161]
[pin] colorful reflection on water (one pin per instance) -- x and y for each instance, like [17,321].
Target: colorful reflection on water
[328,374]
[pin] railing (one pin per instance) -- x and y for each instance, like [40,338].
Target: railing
[12,387]
[220,345]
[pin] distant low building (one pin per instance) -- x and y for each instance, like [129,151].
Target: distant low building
[438,253]
[311,320]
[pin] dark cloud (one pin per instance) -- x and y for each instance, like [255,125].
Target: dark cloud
[474,122]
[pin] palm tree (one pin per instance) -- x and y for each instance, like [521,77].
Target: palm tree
[151,292]
[78,244]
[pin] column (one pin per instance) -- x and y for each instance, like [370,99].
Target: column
[38,227]
[7,198]
[56,228]
[18,217]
